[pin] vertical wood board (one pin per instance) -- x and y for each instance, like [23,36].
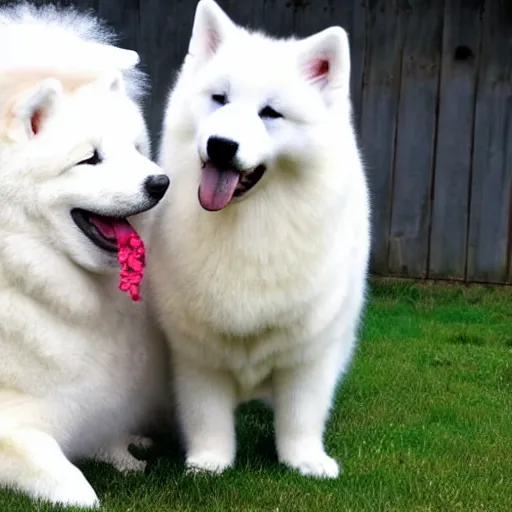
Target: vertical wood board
[415,144]
[489,229]
[450,209]
[379,106]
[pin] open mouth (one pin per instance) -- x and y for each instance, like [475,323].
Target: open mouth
[103,231]
[219,186]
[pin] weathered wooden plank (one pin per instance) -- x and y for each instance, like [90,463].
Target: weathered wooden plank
[450,208]
[415,145]
[358,38]
[380,95]
[488,258]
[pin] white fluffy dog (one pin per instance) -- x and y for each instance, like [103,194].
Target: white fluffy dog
[258,254]
[80,369]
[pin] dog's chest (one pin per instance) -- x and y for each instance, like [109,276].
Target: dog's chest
[250,358]
[250,362]
[244,291]
[97,363]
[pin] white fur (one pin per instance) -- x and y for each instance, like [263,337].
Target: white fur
[81,369]
[262,298]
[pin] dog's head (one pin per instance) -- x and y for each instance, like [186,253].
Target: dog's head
[258,106]
[74,158]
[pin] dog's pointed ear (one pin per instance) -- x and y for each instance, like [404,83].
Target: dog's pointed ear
[324,59]
[211,27]
[30,112]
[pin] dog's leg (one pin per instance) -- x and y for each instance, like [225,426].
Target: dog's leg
[118,455]
[303,395]
[206,404]
[32,461]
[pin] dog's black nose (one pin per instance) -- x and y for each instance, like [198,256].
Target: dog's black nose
[221,150]
[156,186]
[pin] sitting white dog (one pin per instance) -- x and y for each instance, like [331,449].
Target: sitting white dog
[259,252]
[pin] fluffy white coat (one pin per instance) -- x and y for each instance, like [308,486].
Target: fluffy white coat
[261,299]
[81,370]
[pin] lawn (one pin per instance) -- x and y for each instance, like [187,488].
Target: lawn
[423,422]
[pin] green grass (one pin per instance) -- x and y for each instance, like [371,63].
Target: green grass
[423,422]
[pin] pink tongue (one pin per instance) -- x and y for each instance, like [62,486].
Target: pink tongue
[115,229]
[122,231]
[217,187]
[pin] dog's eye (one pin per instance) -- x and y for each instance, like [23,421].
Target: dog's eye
[94,160]
[221,99]
[269,113]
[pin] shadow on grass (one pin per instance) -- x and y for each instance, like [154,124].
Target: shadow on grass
[166,459]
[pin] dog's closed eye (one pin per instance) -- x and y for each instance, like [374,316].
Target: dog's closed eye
[95,159]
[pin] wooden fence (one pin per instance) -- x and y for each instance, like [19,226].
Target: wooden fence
[432,91]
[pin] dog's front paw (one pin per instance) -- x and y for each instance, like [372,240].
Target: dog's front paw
[73,490]
[315,463]
[209,462]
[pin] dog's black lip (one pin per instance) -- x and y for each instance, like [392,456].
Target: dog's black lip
[252,177]
[80,218]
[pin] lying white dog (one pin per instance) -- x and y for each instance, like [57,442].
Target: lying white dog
[80,368]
